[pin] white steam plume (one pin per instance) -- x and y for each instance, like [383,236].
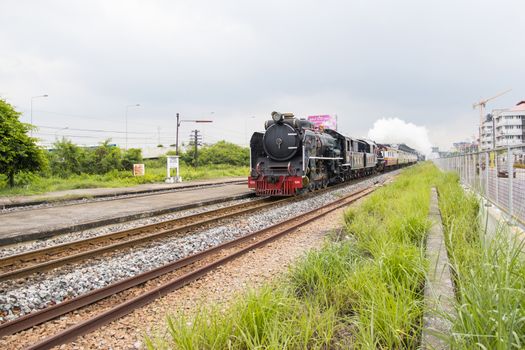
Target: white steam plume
[395,130]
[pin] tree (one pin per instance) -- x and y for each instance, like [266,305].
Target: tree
[224,152]
[66,158]
[18,151]
[103,159]
[131,156]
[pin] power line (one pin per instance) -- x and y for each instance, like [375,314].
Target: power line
[93,137]
[106,119]
[94,130]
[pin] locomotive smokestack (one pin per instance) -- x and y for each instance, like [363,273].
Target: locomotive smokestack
[277,117]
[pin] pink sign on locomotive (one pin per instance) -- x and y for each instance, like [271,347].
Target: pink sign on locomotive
[325,120]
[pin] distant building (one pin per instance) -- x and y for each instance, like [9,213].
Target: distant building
[487,132]
[509,126]
[464,147]
[156,152]
[434,154]
[504,127]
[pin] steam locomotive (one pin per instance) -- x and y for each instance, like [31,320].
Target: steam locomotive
[293,156]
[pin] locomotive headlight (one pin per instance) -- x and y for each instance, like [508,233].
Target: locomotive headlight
[277,117]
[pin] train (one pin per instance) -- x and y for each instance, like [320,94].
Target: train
[293,156]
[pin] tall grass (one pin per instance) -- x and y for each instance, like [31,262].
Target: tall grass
[390,230]
[363,291]
[489,274]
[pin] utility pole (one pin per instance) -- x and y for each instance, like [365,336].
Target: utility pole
[177,136]
[127,107]
[158,136]
[195,140]
[179,121]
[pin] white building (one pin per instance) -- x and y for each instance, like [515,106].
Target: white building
[487,132]
[509,126]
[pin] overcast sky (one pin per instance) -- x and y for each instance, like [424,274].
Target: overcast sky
[424,62]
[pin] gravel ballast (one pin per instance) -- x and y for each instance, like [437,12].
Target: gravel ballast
[37,292]
[99,231]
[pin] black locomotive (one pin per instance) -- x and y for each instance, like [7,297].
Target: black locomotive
[293,156]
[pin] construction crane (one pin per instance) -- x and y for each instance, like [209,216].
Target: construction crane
[482,104]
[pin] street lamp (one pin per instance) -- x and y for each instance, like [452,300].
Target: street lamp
[32,98]
[127,107]
[179,121]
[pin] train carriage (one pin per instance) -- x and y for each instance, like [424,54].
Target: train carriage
[293,156]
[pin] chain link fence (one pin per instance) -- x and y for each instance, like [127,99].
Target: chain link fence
[498,175]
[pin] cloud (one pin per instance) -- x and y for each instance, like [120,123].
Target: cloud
[395,130]
[359,60]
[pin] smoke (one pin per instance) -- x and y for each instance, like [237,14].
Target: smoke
[395,130]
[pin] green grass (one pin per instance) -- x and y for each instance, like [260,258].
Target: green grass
[489,275]
[154,173]
[362,291]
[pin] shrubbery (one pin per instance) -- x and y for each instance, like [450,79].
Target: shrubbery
[68,159]
[68,166]
[221,152]
[224,152]
[18,151]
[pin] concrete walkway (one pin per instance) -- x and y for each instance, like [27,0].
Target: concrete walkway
[108,192]
[39,223]
[439,290]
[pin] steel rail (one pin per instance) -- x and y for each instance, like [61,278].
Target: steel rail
[127,307]
[30,255]
[239,209]
[44,315]
[56,262]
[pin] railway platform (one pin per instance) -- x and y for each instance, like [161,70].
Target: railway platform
[41,222]
[15,201]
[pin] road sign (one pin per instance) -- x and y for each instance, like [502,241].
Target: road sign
[172,162]
[139,170]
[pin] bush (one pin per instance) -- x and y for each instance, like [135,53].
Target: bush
[25,178]
[224,152]
[66,158]
[105,158]
[221,152]
[18,151]
[131,156]
[106,165]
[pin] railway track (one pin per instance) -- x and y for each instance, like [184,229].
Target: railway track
[193,267]
[24,264]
